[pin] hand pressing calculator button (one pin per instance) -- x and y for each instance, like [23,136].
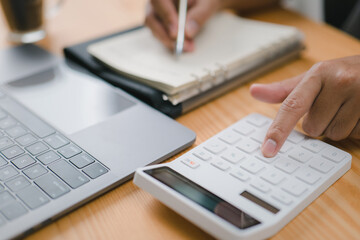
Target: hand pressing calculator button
[230,190]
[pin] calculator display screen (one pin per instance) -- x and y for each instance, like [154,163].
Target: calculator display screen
[203,197]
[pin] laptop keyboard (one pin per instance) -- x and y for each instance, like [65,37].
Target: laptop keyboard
[37,163]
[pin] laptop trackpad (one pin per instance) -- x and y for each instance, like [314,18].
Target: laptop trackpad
[70,101]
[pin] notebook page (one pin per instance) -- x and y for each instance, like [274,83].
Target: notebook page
[226,40]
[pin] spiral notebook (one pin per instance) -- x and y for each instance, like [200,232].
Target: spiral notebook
[226,47]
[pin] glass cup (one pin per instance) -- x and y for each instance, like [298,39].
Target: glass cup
[26,18]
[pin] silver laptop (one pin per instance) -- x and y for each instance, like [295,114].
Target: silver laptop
[66,138]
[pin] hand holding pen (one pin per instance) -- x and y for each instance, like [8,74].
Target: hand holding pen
[163,20]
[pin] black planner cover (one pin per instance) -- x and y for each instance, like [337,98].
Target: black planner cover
[78,54]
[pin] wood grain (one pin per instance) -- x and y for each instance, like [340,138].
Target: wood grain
[127,212]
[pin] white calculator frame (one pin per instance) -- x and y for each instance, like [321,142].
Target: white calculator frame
[270,223]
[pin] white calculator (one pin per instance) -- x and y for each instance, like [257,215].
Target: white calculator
[226,187]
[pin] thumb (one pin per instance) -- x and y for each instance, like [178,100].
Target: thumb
[198,14]
[275,92]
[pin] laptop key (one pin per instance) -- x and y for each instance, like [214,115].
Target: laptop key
[37,148]
[13,210]
[17,183]
[2,162]
[52,186]
[82,160]
[2,114]
[33,197]
[7,123]
[2,220]
[48,157]
[5,198]
[56,141]
[37,126]
[68,174]
[69,151]
[5,142]
[16,131]
[26,139]
[95,170]
[12,152]
[23,161]
[35,171]
[7,172]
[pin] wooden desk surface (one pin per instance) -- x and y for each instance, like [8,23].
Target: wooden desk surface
[130,213]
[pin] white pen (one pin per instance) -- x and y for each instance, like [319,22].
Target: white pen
[181,28]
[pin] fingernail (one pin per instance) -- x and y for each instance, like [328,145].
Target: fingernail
[269,148]
[192,27]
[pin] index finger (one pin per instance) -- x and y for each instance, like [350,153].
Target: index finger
[166,11]
[298,102]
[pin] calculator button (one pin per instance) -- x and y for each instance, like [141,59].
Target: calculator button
[252,166]
[257,120]
[273,176]
[223,166]
[286,165]
[265,159]
[281,197]
[300,155]
[321,165]
[333,154]
[260,185]
[307,175]
[248,146]
[202,154]
[294,187]
[240,174]
[233,156]
[243,128]
[215,146]
[313,145]
[295,137]
[190,162]
[286,147]
[230,137]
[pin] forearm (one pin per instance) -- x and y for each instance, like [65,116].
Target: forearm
[246,5]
